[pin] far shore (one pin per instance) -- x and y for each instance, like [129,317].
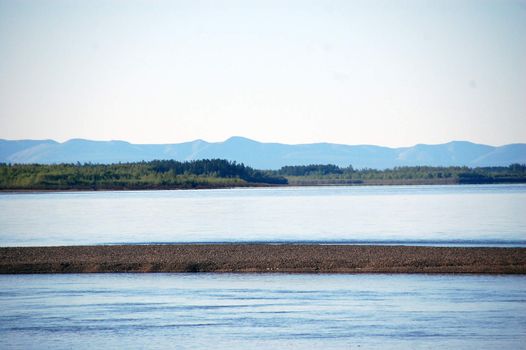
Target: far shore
[319,184]
[262,258]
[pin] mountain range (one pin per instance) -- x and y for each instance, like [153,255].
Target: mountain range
[263,155]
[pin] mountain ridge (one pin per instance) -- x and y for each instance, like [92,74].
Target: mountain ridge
[263,155]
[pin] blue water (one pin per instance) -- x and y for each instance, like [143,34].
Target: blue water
[438,215]
[258,311]
[265,311]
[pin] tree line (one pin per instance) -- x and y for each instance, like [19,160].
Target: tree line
[426,174]
[157,174]
[218,173]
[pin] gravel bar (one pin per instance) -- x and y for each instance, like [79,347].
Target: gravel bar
[267,258]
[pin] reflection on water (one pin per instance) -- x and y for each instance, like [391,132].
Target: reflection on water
[462,214]
[230,311]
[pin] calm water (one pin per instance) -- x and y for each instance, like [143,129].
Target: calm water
[265,311]
[229,311]
[484,214]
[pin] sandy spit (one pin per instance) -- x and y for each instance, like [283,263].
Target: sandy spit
[295,258]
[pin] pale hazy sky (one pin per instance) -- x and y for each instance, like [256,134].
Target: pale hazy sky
[392,73]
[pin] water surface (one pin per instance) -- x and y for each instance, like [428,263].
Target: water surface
[450,215]
[257,311]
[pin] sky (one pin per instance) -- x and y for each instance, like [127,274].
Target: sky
[391,73]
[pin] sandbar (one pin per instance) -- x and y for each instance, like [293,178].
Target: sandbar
[262,258]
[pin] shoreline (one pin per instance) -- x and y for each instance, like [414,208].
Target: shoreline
[253,186]
[263,258]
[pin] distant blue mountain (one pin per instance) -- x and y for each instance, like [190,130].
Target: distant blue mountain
[263,155]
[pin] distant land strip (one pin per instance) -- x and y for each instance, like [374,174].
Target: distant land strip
[220,173]
[262,258]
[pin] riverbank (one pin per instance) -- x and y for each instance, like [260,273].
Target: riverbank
[257,258]
[218,173]
[256,185]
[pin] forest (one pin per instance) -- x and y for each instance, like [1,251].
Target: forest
[220,173]
[157,174]
[331,174]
